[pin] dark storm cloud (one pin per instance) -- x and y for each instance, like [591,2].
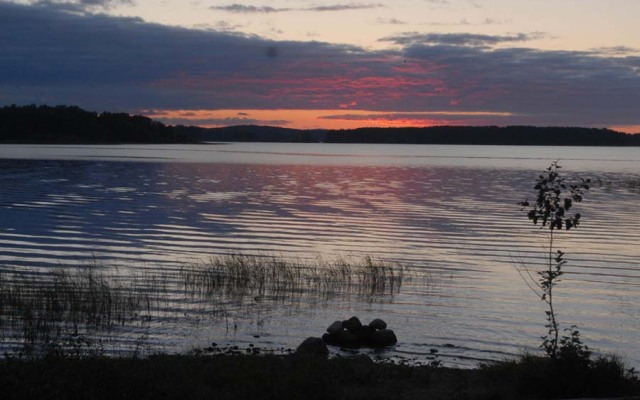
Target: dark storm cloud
[108,63]
[560,87]
[53,56]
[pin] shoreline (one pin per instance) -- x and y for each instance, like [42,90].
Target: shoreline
[290,377]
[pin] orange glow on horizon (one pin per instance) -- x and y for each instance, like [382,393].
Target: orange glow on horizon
[633,129]
[319,119]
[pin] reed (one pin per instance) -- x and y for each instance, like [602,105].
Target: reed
[238,275]
[60,305]
[71,309]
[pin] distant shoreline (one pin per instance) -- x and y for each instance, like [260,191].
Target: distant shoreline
[73,125]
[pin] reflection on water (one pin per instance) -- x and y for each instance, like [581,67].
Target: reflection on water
[613,159]
[456,226]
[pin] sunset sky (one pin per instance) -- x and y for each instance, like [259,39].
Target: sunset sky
[329,64]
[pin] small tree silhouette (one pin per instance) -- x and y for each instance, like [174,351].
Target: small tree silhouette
[551,209]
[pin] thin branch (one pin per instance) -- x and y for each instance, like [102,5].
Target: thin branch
[522,271]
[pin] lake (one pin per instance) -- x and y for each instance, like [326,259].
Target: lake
[448,214]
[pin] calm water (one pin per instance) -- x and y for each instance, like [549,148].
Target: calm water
[448,212]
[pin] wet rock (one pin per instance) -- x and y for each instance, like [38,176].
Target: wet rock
[330,338]
[384,337]
[378,324]
[353,324]
[335,328]
[365,335]
[346,338]
[313,346]
[351,333]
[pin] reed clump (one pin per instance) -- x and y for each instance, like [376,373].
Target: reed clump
[238,275]
[57,306]
[71,309]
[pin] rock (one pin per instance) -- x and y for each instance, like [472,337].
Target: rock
[353,324]
[384,337]
[351,333]
[331,338]
[365,334]
[378,324]
[346,338]
[335,328]
[313,346]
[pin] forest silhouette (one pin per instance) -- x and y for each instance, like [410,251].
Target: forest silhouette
[72,124]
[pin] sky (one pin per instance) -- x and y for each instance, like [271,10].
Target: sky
[329,64]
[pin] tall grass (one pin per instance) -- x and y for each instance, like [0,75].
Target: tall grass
[237,276]
[71,308]
[44,309]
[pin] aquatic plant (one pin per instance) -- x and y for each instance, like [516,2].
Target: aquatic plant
[68,309]
[239,275]
[551,208]
[58,308]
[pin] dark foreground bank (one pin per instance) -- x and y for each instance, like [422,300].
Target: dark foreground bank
[299,377]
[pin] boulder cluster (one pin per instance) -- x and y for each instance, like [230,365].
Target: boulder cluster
[352,333]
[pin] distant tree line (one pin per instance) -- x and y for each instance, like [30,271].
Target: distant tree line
[255,133]
[487,135]
[481,135]
[71,124]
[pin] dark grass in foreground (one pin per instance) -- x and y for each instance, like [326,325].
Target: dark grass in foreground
[300,377]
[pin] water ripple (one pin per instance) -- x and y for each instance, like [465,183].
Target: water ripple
[458,228]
